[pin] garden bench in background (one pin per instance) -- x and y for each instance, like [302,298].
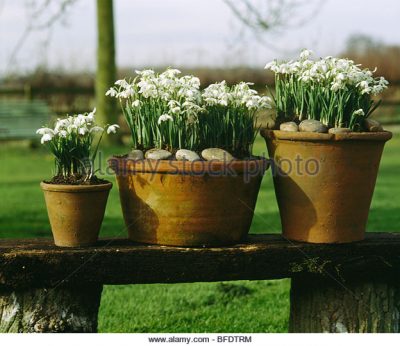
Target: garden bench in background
[19,119]
[335,288]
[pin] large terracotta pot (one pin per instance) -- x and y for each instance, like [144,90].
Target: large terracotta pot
[182,203]
[324,182]
[75,212]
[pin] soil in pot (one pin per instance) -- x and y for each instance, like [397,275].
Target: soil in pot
[76,211]
[324,182]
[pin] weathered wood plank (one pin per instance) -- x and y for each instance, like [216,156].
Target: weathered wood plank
[329,306]
[38,263]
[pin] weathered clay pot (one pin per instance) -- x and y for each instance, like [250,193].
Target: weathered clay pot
[324,182]
[182,203]
[75,212]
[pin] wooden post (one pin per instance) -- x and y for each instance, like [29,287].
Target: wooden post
[106,67]
[332,306]
[61,309]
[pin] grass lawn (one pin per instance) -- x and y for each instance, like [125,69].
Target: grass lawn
[243,306]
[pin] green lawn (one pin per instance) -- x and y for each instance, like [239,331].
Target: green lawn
[244,306]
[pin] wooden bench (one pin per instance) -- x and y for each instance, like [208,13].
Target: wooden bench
[19,119]
[335,288]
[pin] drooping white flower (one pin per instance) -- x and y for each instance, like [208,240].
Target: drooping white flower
[164,117]
[136,103]
[45,130]
[128,92]
[170,73]
[112,92]
[145,73]
[96,129]
[46,138]
[80,120]
[305,54]
[359,112]
[123,83]
[112,128]
[63,133]
[82,130]
[71,128]
[91,115]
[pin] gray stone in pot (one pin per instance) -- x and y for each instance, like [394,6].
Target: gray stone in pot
[158,154]
[312,125]
[136,155]
[290,126]
[335,130]
[216,154]
[188,155]
[373,125]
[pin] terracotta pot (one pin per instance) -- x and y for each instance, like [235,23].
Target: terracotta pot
[324,182]
[75,212]
[182,203]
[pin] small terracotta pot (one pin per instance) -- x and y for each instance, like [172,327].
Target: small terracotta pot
[75,212]
[324,182]
[182,203]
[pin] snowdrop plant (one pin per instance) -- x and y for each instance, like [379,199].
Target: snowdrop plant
[335,91]
[74,141]
[161,109]
[229,120]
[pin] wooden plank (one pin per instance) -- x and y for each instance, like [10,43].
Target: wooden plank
[38,263]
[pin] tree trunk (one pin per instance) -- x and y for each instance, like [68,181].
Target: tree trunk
[334,307]
[106,69]
[62,310]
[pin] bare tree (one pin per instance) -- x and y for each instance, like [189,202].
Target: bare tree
[273,16]
[42,16]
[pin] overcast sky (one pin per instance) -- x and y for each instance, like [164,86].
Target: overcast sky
[188,33]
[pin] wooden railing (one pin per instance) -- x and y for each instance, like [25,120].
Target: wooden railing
[335,288]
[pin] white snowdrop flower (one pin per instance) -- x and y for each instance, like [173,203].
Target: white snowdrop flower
[128,92]
[45,130]
[252,103]
[273,66]
[63,133]
[122,83]
[80,120]
[145,73]
[223,102]
[111,92]
[171,72]
[46,138]
[359,112]
[112,129]
[71,128]
[336,86]
[90,116]
[136,103]
[176,110]
[305,54]
[164,117]
[83,130]
[96,129]
[265,102]
[173,103]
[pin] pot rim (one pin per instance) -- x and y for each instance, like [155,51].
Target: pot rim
[126,165]
[75,188]
[332,137]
